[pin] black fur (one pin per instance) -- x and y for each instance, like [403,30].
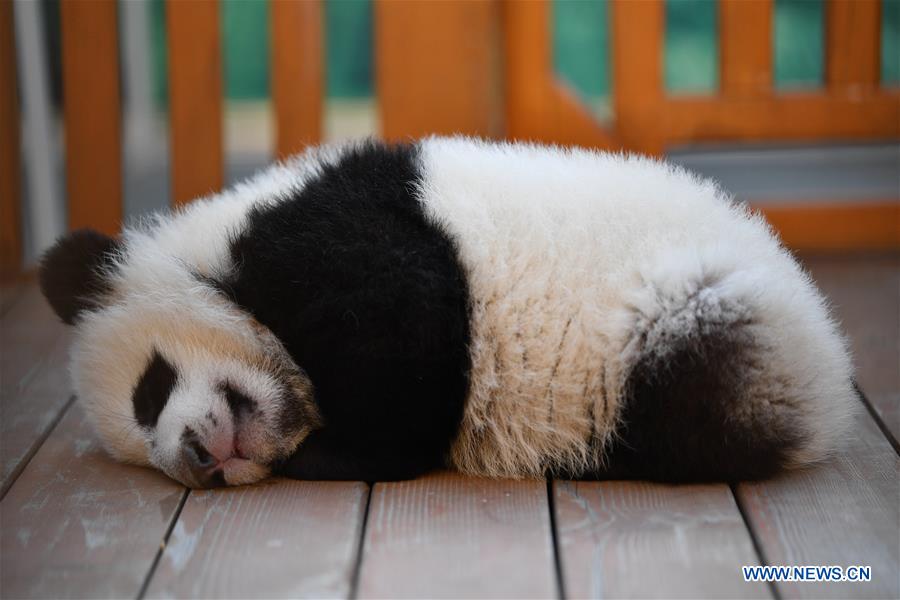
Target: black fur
[72,274]
[199,455]
[153,389]
[678,420]
[199,461]
[370,299]
[238,402]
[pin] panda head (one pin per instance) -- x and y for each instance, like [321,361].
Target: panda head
[170,371]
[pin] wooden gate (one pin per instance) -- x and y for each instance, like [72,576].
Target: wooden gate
[479,67]
[852,105]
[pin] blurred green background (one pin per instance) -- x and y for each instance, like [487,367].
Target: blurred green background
[580,46]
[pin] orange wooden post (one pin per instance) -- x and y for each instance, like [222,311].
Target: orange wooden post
[438,67]
[539,107]
[10,161]
[92,114]
[745,42]
[195,98]
[528,70]
[837,226]
[637,51]
[853,50]
[297,71]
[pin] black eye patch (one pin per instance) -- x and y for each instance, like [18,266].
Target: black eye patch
[153,390]
[237,401]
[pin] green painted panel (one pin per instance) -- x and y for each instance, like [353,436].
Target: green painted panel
[799,43]
[245,48]
[349,48]
[890,42]
[691,48]
[158,52]
[581,46]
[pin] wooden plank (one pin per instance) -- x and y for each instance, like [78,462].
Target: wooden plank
[34,383]
[10,161]
[278,539]
[864,292]
[843,512]
[641,540]
[10,292]
[745,47]
[853,48]
[31,328]
[539,107]
[76,524]
[92,114]
[195,98]
[449,536]
[438,68]
[297,74]
[29,409]
[800,116]
[837,226]
[637,34]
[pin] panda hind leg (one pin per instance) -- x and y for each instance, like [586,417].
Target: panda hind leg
[712,391]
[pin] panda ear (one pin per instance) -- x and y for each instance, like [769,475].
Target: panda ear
[74,273]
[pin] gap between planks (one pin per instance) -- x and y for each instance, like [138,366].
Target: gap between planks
[864,295]
[840,512]
[757,543]
[76,523]
[162,546]
[361,545]
[554,531]
[21,465]
[643,539]
[34,383]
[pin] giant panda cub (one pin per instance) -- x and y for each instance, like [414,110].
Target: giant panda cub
[371,312]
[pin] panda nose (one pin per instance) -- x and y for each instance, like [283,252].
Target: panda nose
[200,462]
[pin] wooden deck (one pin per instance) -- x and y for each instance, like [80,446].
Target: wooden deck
[75,524]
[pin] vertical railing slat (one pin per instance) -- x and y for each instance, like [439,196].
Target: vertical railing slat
[438,67]
[532,86]
[528,64]
[637,33]
[745,42]
[10,165]
[297,69]
[92,114]
[853,49]
[195,98]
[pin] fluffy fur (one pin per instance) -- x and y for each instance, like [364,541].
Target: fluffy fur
[588,268]
[372,312]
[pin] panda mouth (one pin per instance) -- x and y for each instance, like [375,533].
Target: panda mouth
[236,450]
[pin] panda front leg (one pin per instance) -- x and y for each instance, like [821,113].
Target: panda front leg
[329,455]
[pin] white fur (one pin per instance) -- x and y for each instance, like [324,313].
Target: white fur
[157,303]
[571,253]
[572,258]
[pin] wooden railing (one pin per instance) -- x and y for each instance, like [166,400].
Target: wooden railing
[851,106]
[10,167]
[480,67]
[92,112]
